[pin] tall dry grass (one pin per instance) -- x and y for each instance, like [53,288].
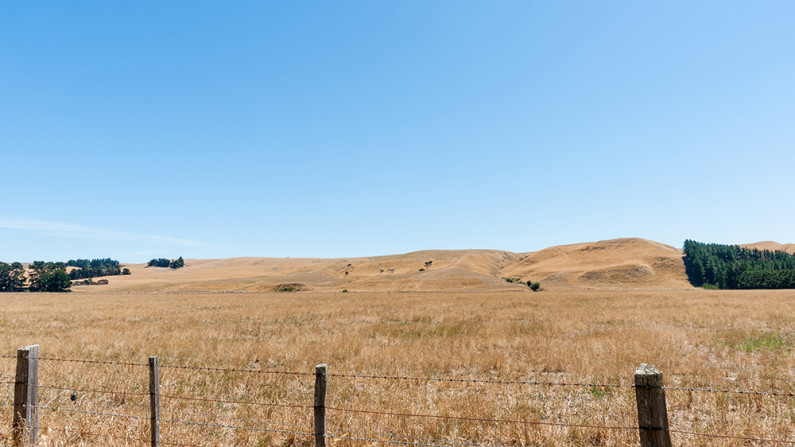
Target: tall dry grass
[715,339]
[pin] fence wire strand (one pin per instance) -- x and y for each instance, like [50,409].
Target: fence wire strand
[717,390]
[543,383]
[489,381]
[237,427]
[475,419]
[197,368]
[98,362]
[252,371]
[237,418]
[238,402]
[92,391]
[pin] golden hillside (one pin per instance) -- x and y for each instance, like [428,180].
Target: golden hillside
[623,263]
[630,262]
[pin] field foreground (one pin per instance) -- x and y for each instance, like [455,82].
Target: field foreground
[727,340]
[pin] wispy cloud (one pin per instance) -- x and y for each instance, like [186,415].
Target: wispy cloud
[62,229]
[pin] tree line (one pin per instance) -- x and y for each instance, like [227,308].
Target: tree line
[95,267]
[43,276]
[735,267]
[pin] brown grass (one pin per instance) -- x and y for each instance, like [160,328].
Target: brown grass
[717,339]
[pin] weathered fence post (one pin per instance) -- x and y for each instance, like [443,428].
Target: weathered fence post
[652,411]
[26,397]
[154,400]
[321,379]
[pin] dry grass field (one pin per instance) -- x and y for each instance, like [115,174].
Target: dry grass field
[738,340]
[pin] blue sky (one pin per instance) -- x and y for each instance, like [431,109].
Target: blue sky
[147,129]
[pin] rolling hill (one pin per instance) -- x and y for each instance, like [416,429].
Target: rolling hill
[631,262]
[617,263]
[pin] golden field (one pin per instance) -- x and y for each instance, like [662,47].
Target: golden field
[738,340]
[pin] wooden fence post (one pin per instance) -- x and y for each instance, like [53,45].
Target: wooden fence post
[652,411]
[321,379]
[154,400]
[26,397]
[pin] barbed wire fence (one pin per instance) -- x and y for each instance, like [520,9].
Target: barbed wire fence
[143,408]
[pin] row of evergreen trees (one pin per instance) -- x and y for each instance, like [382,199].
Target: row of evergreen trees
[735,267]
[164,262]
[95,267]
[42,277]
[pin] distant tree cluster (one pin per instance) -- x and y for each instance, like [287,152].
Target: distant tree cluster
[163,262]
[42,277]
[735,267]
[159,262]
[95,267]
